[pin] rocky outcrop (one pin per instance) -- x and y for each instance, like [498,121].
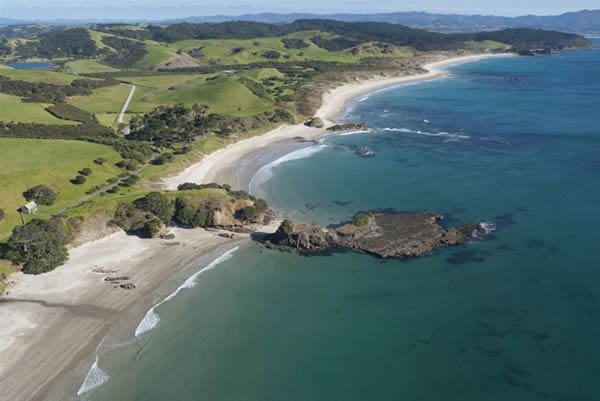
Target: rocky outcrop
[387,235]
[348,127]
[316,122]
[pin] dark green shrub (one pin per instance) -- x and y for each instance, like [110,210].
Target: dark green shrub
[100,160]
[157,204]
[79,180]
[2,214]
[40,194]
[127,164]
[151,228]
[132,180]
[361,219]
[191,217]
[286,226]
[85,171]
[39,245]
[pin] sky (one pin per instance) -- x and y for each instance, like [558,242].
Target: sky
[162,9]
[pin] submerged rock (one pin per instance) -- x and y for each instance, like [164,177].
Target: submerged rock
[387,235]
[365,152]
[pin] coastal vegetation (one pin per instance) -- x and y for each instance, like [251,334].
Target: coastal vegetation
[198,87]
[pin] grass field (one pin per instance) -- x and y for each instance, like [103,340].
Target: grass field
[12,109]
[240,51]
[224,95]
[157,54]
[51,77]
[28,162]
[89,66]
[487,45]
[104,100]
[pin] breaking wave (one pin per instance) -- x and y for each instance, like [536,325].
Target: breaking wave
[95,378]
[265,173]
[356,132]
[151,318]
[440,134]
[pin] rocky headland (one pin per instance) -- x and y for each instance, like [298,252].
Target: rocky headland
[386,235]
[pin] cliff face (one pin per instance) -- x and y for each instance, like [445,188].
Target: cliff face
[386,235]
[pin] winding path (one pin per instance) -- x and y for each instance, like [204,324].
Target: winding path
[120,120]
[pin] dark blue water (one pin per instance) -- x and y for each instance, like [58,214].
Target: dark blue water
[31,66]
[512,141]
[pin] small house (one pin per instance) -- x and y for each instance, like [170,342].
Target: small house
[29,208]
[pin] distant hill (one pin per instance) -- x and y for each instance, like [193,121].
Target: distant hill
[585,21]
[582,22]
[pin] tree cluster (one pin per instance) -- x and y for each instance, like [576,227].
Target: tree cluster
[127,54]
[74,42]
[40,194]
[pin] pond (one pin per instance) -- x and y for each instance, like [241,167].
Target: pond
[31,66]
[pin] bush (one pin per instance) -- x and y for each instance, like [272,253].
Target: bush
[163,159]
[127,164]
[85,171]
[190,217]
[2,214]
[157,204]
[131,180]
[79,180]
[361,219]
[100,160]
[112,180]
[39,245]
[286,226]
[151,228]
[271,54]
[40,194]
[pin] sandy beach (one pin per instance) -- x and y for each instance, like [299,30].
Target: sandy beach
[226,165]
[53,323]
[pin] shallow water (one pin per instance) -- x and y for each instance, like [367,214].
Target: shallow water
[514,317]
[31,66]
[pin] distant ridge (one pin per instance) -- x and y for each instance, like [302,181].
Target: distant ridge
[582,22]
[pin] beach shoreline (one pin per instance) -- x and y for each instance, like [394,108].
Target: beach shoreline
[53,323]
[225,166]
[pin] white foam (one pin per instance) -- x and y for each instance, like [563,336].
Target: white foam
[426,121]
[362,99]
[356,132]
[442,133]
[95,378]
[398,130]
[151,318]
[486,226]
[265,173]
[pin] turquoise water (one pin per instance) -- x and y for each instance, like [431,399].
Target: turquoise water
[31,66]
[511,141]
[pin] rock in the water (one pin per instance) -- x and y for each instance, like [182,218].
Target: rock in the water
[316,122]
[348,127]
[364,151]
[386,235]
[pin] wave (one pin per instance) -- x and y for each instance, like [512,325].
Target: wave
[265,173]
[151,318]
[95,378]
[356,132]
[362,99]
[441,134]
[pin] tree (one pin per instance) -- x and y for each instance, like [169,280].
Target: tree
[2,214]
[190,216]
[79,180]
[131,180]
[157,204]
[85,171]
[39,245]
[100,160]
[40,194]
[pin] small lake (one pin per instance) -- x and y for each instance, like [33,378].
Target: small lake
[31,66]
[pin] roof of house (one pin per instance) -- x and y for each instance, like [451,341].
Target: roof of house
[30,205]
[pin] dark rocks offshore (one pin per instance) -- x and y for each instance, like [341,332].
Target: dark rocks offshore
[387,235]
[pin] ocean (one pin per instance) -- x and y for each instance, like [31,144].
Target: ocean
[516,316]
